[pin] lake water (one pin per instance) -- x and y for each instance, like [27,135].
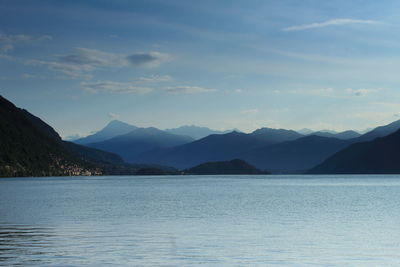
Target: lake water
[200,220]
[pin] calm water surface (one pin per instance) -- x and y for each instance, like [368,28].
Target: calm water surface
[201,220]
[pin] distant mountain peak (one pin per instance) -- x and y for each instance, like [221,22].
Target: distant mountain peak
[328,131]
[130,145]
[117,123]
[276,135]
[112,129]
[305,131]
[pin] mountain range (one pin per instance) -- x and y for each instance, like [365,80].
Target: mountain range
[215,147]
[131,145]
[277,150]
[330,133]
[112,129]
[341,135]
[30,147]
[195,132]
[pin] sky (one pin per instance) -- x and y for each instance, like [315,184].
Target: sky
[220,64]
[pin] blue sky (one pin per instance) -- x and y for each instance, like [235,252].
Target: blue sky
[220,64]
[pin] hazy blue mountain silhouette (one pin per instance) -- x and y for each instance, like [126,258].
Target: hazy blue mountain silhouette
[294,156]
[380,156]
[235,166]
[277,150]
[129,146]
[341,135]
[276,135]
[306,152]
[264,148]
[216,147]
[112,129]
[380,131]
[305,131]
[195,132]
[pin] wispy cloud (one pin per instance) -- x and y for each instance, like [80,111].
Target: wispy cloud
[155,79]
[93,57]
[332,22]
[113,116]
[362,91]
[70,71]
[324,92]
[114,87]
[135,88]
[187,90]
[26,76]
[8,41]
[331,92]
[79,64]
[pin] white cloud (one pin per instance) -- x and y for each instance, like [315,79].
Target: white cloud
[187,90]
[331,92]
[113,116]
[6,57]
[331,22]
[8,41]
[114,87]
[94,58]
[71,71]
[155,79]
[31,76]
[77,65]
[326,92]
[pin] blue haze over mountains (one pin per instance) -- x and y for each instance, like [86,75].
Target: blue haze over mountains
[29,147]
[132,144]
[113,129]
[195,132]
[276,150]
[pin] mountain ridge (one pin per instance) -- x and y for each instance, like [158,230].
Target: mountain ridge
[379,156]
[130,145]
[112,129]
[196,132]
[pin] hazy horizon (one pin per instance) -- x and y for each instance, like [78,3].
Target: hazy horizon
[301,131]
[221,65]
